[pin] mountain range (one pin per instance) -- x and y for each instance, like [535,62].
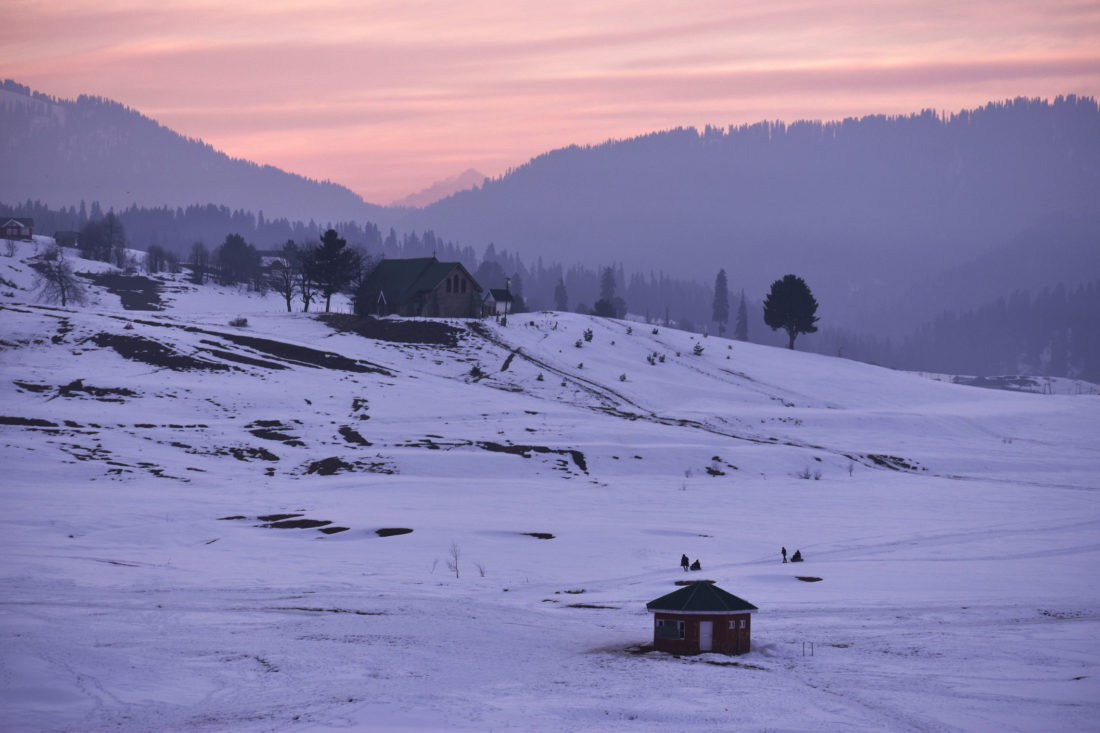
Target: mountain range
[890,220]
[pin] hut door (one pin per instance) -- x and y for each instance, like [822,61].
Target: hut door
[706,636]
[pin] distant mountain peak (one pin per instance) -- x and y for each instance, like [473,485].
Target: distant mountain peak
[442,189]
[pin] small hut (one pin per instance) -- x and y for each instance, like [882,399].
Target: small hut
[701,617]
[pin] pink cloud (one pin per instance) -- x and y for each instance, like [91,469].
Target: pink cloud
[387,97]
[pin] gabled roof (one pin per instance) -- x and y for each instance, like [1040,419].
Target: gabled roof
[701,597]
[501,295]
[401,280]
[21,221]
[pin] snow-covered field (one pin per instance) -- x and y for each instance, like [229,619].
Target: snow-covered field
[956,529]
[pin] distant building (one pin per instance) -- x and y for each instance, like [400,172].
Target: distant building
[421,286]
[498,302]
[66,238]
[17,228]
[701,617]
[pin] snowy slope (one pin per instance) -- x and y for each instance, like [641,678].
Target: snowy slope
[956,529]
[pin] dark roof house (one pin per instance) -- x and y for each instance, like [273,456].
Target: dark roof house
[701,617]
[420,286]
[16,228]
[498,302]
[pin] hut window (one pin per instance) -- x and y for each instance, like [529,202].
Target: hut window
[734,624]
[669,629]
[464,286]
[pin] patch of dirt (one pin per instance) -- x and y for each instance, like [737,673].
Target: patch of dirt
[297,524]
[329,466]
[392,531]
[330,610]
[893,462]
[265,429]
[237,516]
[589,605]
[137,293]
[527,450]
[277,517]
[303,355]
[352,436]
[28,387]
[808,578]
[27,422]
[539,535]
[434,333]
[238,358]
[154,353]
[104,394]
[248,453]
[333,530]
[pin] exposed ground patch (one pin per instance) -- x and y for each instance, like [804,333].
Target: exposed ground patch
[392,531]
[434,333]
[527,450]
[154,353]
[137,293]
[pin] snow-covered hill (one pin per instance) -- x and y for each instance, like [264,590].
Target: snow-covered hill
[149,457]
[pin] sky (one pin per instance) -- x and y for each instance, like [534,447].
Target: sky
[389,97]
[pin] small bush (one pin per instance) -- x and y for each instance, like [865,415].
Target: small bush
[539,378]
[698,350]
[242,322]
[578,344]
[655,332]
[476,372]
[629,330]
[588,334]
[622,377]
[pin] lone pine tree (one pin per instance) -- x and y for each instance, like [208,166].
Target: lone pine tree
[791,306]
[721,310]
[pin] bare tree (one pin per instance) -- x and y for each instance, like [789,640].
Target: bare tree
[9,247]
[155,259]
[452,558]
[56,280]
[200,260]
[283,275]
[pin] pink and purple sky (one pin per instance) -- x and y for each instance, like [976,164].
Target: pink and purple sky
[388,97]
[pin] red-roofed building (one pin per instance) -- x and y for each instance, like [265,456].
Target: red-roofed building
[701,617]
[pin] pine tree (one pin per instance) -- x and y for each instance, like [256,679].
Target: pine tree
[561,297]
[334,265]
[741,330]
[791,306]
[721,310]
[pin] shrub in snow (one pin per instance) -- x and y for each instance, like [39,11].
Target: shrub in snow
[622,377]
[242,321]
[578,344]
[588,334]
[698,350]
[476,372]
[539,377]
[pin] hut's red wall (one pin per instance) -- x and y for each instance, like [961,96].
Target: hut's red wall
[725,639]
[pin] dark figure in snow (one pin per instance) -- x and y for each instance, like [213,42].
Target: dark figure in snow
[784,551]
[797,556]
[696,566]
[684,562]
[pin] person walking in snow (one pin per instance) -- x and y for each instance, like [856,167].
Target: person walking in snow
[784,551]
[696,566]
[797,556]
[684,562]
